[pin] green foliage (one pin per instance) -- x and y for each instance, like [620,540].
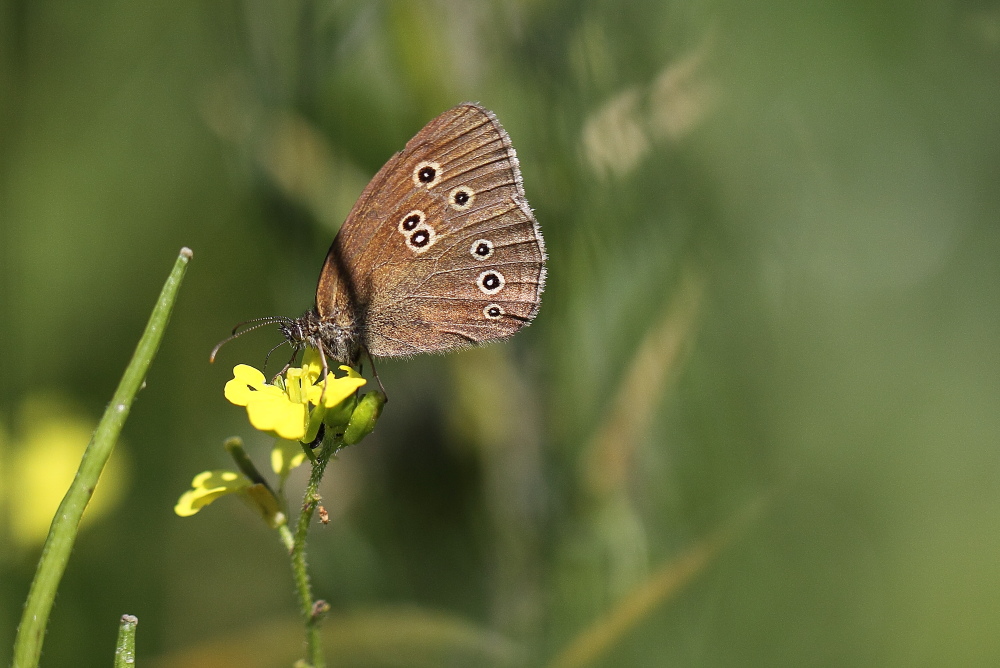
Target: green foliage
[772,305]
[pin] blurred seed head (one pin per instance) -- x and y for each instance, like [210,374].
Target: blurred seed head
[625,128]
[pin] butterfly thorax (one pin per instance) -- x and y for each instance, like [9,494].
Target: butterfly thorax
[337,338]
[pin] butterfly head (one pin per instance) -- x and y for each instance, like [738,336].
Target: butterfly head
[334,340]
[325,334]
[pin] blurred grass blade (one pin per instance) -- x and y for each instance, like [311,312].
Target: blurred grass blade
[392,636]
[293,153]
[594,642]
[609,455]
[65,524]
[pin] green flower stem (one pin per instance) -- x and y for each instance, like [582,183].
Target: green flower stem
[65,524]
[311,610]
[125,647]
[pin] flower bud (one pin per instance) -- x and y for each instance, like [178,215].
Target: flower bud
[364,417]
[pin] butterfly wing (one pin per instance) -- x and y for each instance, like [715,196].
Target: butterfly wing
[441,251]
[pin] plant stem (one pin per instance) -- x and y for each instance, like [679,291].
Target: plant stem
[65,524]
[125,647]
[311,612]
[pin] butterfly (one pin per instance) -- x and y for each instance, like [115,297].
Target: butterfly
[441,251]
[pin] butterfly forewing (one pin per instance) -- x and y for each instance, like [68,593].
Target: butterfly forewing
[441,250]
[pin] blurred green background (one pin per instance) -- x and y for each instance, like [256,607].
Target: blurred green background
[755,423]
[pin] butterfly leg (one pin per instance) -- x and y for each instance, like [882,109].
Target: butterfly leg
[375,373]
[288,364]
[267,357]
[326,369]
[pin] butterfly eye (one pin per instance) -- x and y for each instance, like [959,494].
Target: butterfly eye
[461,198]
[410,221]
[481,249]
[421,239]
[427,174]
[490,282]
[493,311]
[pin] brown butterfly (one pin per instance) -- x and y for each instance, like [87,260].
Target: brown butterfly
[440,252]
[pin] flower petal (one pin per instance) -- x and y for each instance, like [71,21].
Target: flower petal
[206,487]
[276,414]
[286,455]
[351,372]
[312,364]
[246,382]
[334,390]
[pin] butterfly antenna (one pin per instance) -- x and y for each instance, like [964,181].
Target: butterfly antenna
[260,322]
[266,320]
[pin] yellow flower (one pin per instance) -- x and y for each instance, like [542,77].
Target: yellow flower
[41,464]
[269,407]
[284,409]
[206,487]
[293,408]
[336,389]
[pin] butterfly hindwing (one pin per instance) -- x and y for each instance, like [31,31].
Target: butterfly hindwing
[441,250]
